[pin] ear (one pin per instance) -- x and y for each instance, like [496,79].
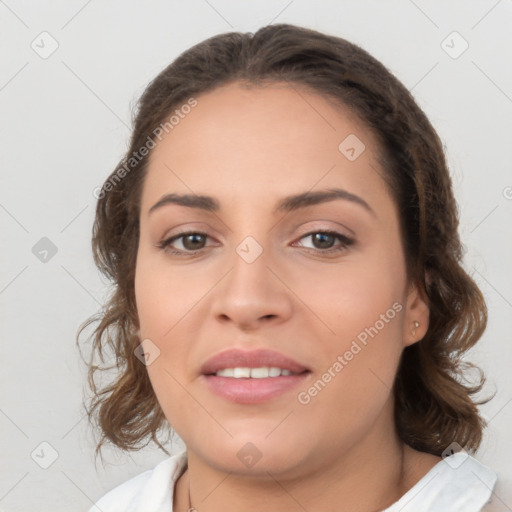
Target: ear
[416,318]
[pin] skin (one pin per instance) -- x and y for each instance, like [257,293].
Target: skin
[248,148]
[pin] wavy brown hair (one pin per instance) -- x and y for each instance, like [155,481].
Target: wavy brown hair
[433,398]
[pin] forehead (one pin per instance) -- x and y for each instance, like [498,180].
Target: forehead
[256,140]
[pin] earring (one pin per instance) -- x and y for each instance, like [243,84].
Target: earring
[416,325]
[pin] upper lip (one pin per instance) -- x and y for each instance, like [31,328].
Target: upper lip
[236,358]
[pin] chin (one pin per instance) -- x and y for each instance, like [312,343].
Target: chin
[257,455]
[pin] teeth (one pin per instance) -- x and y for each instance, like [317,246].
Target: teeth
[254,373]
[228,372]
[259,373]
[238,373]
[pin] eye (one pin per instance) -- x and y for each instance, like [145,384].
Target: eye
[194,241]
[323,241]
[191,242]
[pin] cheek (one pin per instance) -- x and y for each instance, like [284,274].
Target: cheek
[362,304]
[162,313]
[359,362]
[169,303]
[355,295]
[165,294]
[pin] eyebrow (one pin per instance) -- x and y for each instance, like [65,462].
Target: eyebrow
[286,204]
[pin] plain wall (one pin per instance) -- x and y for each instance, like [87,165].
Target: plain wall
[65,122]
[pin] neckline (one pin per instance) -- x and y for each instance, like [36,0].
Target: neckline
[444,466]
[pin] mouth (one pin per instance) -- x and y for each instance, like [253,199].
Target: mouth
[263,372]
[252,377]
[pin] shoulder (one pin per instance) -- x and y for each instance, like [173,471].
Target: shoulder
[153,488]
[458,483]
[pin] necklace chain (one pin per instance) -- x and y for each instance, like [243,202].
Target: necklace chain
[190,507]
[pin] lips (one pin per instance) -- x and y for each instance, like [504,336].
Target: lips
[235,358]
[247,389]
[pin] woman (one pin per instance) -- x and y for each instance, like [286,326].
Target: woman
[289,295]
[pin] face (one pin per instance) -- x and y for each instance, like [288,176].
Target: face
[317,288]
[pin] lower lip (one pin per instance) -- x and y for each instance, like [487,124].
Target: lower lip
[252,391]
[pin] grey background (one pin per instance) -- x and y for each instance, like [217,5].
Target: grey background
[65,123]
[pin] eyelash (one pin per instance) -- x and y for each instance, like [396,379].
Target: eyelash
[345,243]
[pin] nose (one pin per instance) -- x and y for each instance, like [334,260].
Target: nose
[253,293]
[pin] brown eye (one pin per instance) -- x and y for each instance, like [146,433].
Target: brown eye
[325,241]
[193,241]
[190,242]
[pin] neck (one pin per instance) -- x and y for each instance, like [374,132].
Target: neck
[379,462]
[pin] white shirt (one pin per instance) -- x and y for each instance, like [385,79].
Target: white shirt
[458,483]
